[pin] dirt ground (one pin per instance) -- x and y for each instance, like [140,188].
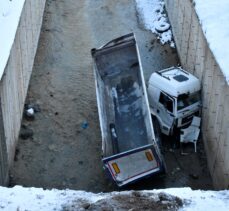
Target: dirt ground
[55,149]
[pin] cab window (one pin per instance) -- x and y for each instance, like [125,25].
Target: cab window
[186,100]
[166,102]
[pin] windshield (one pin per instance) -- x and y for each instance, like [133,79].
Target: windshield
[186,100]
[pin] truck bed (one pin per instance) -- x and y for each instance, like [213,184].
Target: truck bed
[122,99]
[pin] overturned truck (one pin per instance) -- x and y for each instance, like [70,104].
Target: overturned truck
[130,150]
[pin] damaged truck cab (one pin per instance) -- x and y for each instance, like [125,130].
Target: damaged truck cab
[174,98]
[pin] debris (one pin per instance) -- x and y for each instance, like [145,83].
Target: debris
[52,147]
[17,151]
[84,124]
[172,44]
[80,162]
[25,132]
[194,176]
[162,25]
[153,15]
[30,112]
[86,205]
[36,108]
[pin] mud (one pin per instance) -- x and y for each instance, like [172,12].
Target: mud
[64,148]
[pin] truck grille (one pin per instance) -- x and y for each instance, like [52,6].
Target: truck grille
[189,118]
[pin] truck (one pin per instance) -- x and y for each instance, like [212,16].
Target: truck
[130,150]
[175,98]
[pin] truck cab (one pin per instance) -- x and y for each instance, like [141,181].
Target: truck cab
[174,98]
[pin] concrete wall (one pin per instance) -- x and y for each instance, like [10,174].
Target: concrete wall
[197,58]
[15,81]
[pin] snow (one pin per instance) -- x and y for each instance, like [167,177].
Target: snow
[201,200]
[214,17]
[10,12]
[36,199]
[20,198]
[153,16]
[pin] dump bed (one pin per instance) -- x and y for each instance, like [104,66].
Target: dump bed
[129,148]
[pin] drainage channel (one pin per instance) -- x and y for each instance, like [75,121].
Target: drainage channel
[60,146]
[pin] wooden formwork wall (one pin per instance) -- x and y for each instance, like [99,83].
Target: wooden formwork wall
[196,57]
[15,81]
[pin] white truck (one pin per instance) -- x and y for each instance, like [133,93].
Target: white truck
[174,98]
[130,150]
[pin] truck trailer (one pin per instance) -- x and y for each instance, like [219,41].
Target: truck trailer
[129,147]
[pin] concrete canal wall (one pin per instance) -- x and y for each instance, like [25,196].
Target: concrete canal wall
[196,57]
[15,80]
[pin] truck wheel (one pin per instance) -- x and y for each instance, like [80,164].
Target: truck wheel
[157,132]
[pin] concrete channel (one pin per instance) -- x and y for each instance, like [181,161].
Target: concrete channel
[56,150]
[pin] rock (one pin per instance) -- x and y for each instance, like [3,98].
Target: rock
[52,147]
[36,108]
[86,205]
[194,176]
[26,133]
[29,114]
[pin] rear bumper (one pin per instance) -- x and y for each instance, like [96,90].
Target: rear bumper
[156,166]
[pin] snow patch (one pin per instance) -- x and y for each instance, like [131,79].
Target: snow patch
[10,13]
[214,17]
[36,199]
[152,15]
[201,200]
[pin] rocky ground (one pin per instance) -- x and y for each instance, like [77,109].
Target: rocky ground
[61,146]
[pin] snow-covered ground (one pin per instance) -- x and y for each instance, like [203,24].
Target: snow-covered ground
[10,12]
[214,17]
[19,198]
[152,15]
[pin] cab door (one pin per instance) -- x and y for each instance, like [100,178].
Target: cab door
[166,113]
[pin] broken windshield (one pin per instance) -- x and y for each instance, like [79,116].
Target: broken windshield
[186,100]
